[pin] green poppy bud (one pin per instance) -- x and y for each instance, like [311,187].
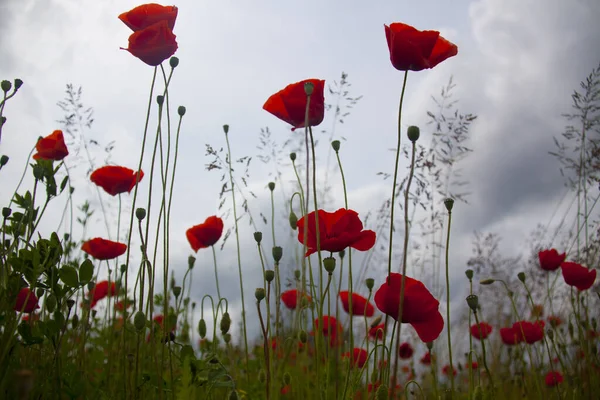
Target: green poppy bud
[259,293]
[521,276]
[139,321]
[6,212]
[449,203]
[302,336]
[174,62]
[308,88]
[297,274]
[269,275]
[6,86]
[160,99]
[413,133]
[473,302]
[234,395]
[329,264]
[181,111]
[287,378]
[70,303]
[3,160]
[469,274]
[335,145]
[487,281]
[123,268]
[18,84]
[191,262]
[277,253]
[293,156]
[225,323]
[202,328]
[226,129]
[177,291]
[370,282]
[271,186]
[227,337]
[258,237]
[140,213]
[293,220]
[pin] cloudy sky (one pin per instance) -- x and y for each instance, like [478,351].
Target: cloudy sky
[518,63]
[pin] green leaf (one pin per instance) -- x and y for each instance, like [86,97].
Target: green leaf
[86,271]
[68,275]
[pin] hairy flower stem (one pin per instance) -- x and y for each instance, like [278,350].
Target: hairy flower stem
[448,305]
[216,273]
[239,256]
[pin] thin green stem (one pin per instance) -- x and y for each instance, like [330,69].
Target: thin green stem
[448,324]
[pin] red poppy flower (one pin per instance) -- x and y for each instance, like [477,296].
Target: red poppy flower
[145,15]
[290,298]
[554,321]
[578,276]
[286,389]
[116,180]
[405,351]
[377,332]
[206,234]
[553,378]
[331,329]
[426,359]
[481,330]
[446,370]
[153,44]
[510,336]
[289,104]
[100,291]
[103,249]
[414,50]
[337,231]
[360,305]
[420,308]
[472,365]
[26,301]
[550,260]
[529,332]
[359,357]
[51,147]
[122,305]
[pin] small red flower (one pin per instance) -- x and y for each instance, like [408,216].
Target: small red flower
[472,365]
[337,231]
[447,369]
[414,50]
[290,298]
[360,305]
[116,180]
[426,359]
[122,305]
[359,357]
[206,234]
[554,321]
[103,249]
[481,330]
[510,336]
[51,147]
[405,351]
[331,329]
[420,308]
[286,389]
[550,260]
[289,104]
[153,44]
[100,291]
[529,332]
[377,332]
[145,15]
[578,276]
[553,378]
[26,301]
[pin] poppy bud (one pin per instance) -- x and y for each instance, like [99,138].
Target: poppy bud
[233,395]
[521,276]
[370,282]
[413,133]
[473,302]
[38,173]
[123,268]
[293,156]
[262,376]
[6,212]
[293,220]
[140,214]
[227,337]
[329,264]
[225,323]
[287,378]
[269,275]
[5,85]
[429,345]
[177,291]
[259,293]
[335,145]
[139,321]
[160,99]
[258,237]
[181,111]
[174,62]
[342,253]
[4,159]
[191,262]
[487,281]
[302,336]
[297,274]
[18,84]
[202,328]
[449,203]
[309,87]
[226,129]
[51,303]
[271,186]
[277,253]
[70,303]
[469,274]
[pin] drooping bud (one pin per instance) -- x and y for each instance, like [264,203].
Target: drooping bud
[293,220]
[488,281]
[6,212]
[302,336]
[473,302]
[18,84]
[413,133]
[191,262]
[287,378]
[202,328]
[225,323]
[521,276]
[139,321]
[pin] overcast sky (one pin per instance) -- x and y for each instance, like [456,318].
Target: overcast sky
[517,65]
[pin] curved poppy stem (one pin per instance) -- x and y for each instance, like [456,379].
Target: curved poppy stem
[216,273]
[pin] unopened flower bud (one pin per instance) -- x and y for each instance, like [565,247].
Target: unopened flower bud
[5,85]
[370,282]
[227,338]
[181,111]
[123,268]
[413,133]
[335,145]
[329,264]
[269,275]
[469,274]
[258,237]
[70,303]
[302,336]
[277,253]
[271,186]
[225,323]
[259,293]
[140,213]
[233,395]
[18,84]
[473,302]
[39,292]
[449,203]
[429,345]
[202,328]
[262,376]
[226,129]
[487,281]
[160,99]
[521,276]
[177,291]
[287,378]
[139,321]
[293,156]
[174,62]
[293,220]
[308,88]
[3,160]
[191,262]
[6,211]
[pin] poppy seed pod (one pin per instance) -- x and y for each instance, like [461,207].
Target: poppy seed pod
[473,302]
[293,220]
[335,145]
[293,156]
[258,237]
[123,268]
[413,133]
[269,275]
[309,87]
[302,336]
[4,159]
[139,321]
[225,323]
[226,129]
[449,203]
[429,345]
[277,253]
[262,376]
[174,62]
[18,84]
[370,282]
[227,338]
[191,262]
[202,328]
[297,274]
[342,253]
[6,86]
[329,264]
[521,276]
[259,293]
[469,274]
[6,212]
[177,291]
[70,303]
[140,213]
[181,111]
[271,186]
[160,99]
